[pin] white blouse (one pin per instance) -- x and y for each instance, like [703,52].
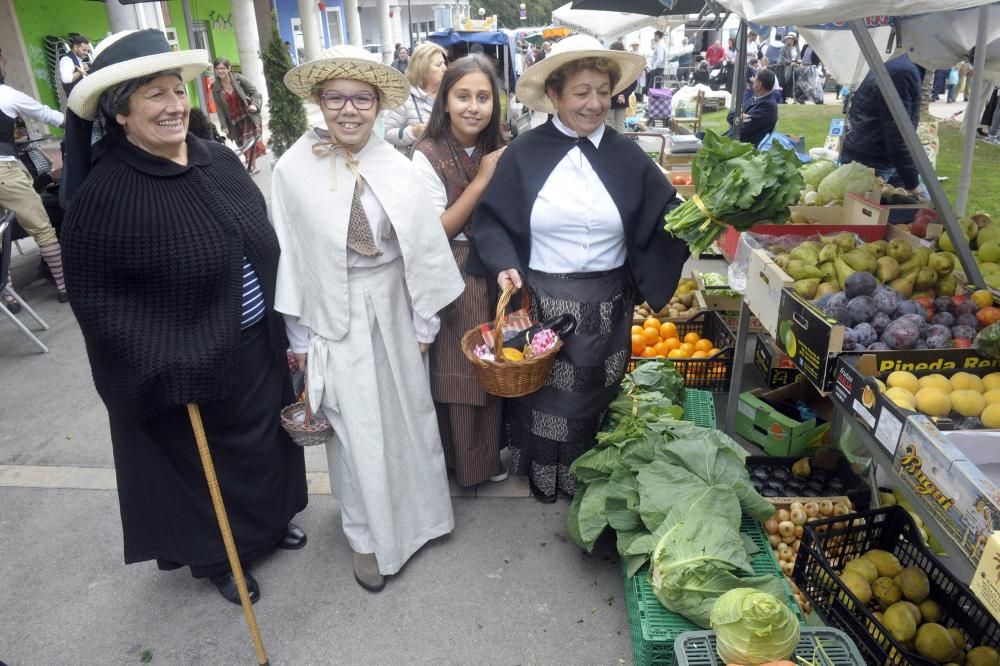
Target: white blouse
[575,224]
[435,186]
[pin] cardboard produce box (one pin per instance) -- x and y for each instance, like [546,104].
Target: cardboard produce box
[774,364]
[776,433]
[717,298]
[729,241]
[941,468]
[986,583]
[862,210]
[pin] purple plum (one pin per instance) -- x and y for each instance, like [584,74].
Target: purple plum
[966,307]
[861,309]
[860,283]
[938,336]
[864,334]
[904,333]
[905,307]
[880,321]
[944,318]
[944,304]
[968,332]
[966,319]
[879,346]
[917,321]
[886,300]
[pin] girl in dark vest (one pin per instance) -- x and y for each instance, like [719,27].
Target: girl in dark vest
[457,158]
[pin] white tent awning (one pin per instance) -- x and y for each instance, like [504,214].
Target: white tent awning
[814,12]
[605,26]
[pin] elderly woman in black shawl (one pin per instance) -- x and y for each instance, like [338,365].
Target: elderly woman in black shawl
[171,262]
[575,214]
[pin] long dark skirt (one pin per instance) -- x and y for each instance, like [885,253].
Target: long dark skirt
[166,508]
[549,429]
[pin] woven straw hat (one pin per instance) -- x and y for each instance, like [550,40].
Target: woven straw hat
[531,86]
[349,62]
[128,55]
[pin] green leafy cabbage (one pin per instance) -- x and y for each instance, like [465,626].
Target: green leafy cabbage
[852,177]
[814,172]
[753,627]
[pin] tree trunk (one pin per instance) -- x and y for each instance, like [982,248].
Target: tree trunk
[925,95]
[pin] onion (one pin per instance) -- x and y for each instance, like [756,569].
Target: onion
[774,540]
[783,515]
[840,509]
[811,509]
[786,528]
[796,544]
[825,507]
[771,526]
[789,539]
[795,505]
[798,531]
[798,516]
[787,568]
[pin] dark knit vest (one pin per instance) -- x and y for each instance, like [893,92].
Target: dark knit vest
[153,255]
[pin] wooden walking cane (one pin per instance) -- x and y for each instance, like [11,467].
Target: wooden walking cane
[227,534]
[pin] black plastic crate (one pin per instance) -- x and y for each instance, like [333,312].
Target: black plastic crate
[828,544]
[708,374]
[841,481]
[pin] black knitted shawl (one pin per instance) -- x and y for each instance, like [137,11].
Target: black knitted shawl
[501,222]
[153,254]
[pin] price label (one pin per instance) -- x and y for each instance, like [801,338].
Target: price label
[888,431]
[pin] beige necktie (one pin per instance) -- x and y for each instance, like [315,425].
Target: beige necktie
[359,232]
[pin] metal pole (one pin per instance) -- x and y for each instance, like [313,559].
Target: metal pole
[972,112]
[409,22]
[739,85]
[909,134]
[189,25]
[194,414]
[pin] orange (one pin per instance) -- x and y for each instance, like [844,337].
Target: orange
[703,345]
[676,353]
[672,343]
[651,335]
[668,330]
[713,351]
[661,348]
[651,322]
[700,354]
[638,343]
[692,337]
[648,352]
[687,348]
[637,329]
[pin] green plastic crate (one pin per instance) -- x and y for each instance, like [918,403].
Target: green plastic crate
[697,648]
[654,629]
[699,407]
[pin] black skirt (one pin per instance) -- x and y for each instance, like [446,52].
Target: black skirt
[549,429]
[166,509]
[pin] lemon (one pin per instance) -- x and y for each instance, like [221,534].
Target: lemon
[991,381]
[933,401]
[904,380]
[968,402]
[936,381]
[512,354]
[961,381]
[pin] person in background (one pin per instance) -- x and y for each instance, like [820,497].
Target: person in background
[952,84]
[237,102]
[527,233]
[940,84]
[544,51]
[365,269]
[641,81]
[965,79]
[787,61]
[684,59]
[872,137]
[17,192]
[715,54]
[74,65]
[202,127]
[457,157]
[771,48]
[760,110]
[753,46]
[402,59]
[620,102]
[404,125]
[657,62]
[171,266]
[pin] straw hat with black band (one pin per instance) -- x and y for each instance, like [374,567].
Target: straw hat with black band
[531,86]
[350,62]
[124,56]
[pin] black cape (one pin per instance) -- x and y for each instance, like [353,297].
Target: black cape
[501,227]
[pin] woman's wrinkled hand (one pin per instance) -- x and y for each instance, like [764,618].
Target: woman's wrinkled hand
[510,275]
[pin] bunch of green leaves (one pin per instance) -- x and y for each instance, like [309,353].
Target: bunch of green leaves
[739,187]
[656,375]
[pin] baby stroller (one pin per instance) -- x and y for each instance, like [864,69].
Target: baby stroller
[806,84]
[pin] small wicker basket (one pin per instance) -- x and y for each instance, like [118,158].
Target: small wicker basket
[302,425]
[502,377]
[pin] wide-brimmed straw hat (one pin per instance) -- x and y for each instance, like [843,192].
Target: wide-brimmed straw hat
[531,86]
[791,35]
[349,62]
[128,55]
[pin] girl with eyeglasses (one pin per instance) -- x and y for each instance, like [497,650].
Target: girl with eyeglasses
[364,270]
[457,157]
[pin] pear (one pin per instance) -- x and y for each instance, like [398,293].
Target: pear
[782,260]
[806,252]
[946,286]
[910,265]
[926,279]
[801,270]
[899,250]
[923,254]
[843,270]
[825,288]
[806,288]
[829,252]
[860,261]
[942,263]
[888,269]
[876,249]
[829,271]
[904,284]
[846,241]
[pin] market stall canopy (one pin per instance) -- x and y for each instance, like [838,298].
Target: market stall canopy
[813,12]
[647,7]
[495,38]
[604,25]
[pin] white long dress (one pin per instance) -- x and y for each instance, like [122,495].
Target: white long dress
[366,371]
